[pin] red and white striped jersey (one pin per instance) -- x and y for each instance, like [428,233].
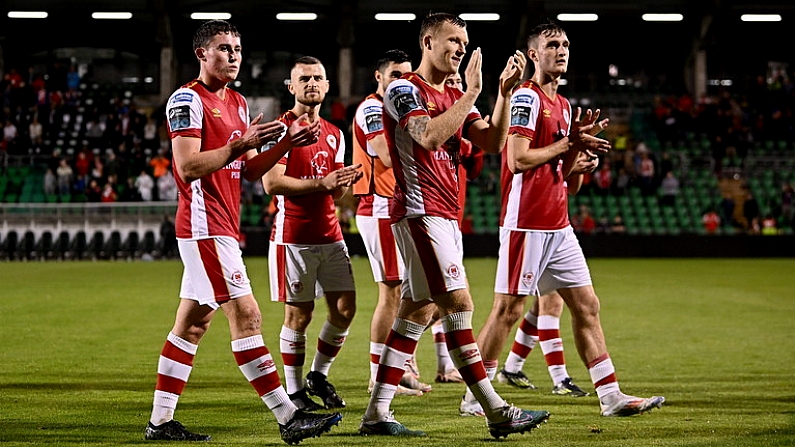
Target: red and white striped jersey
[209,206]
[427,180]
[536,199]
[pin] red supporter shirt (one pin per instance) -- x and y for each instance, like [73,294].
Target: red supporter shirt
[310,219]
[426,180]
[209,206]
[536,199]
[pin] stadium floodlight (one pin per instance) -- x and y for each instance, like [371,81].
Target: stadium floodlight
[296,16]
[480,17]
[662,17]
[111,15]
[395,16]
[760,17]
[27,15]
[211,16]
[578,17]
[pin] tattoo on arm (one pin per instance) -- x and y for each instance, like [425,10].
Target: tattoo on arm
[416,127]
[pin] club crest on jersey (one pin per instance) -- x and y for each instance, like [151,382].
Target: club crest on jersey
[237,278]
[527,278]
[319,164]
[332,141]
[454,271]
[297,286]
[242,114]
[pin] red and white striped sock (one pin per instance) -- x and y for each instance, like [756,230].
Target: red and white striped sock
[398,349]
[375,356]
[292,345]
[256,363]
[552,347]
[329,343]
[603,375]
[523,343]
[173,370]
[466,357]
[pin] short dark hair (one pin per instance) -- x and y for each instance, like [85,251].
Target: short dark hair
[307,60]
[434,20]
[547,29]
[209,29]
[396,56]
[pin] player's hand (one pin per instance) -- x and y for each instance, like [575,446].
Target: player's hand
[586,162]
[580,137]
[473,76]
[598,126]
[343,177]
[303,133]
[512,73]
[259,134]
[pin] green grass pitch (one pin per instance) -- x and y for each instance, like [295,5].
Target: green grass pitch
[80,343]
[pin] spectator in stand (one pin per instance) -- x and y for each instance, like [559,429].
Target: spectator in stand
[151,139]
[9,136]
[65,176]
[711,221]
[108,194]
[145,184]
[646,173]
[603,179]
[584,222]
[617,225]
[93,191]
[98,170]
[670,189]
[166,187]
[751,212]
[769,226]
[620,183]
[35,131]
[160,164]
[83,163]
[50,183]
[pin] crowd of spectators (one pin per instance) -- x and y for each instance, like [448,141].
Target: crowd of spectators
[97,145]
[734,121]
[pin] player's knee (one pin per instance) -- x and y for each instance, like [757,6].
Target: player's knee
[588,306]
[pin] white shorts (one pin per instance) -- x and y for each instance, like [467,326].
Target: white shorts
[214,271]
[533,262]
[433,254]
[385,261]
[301,273]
